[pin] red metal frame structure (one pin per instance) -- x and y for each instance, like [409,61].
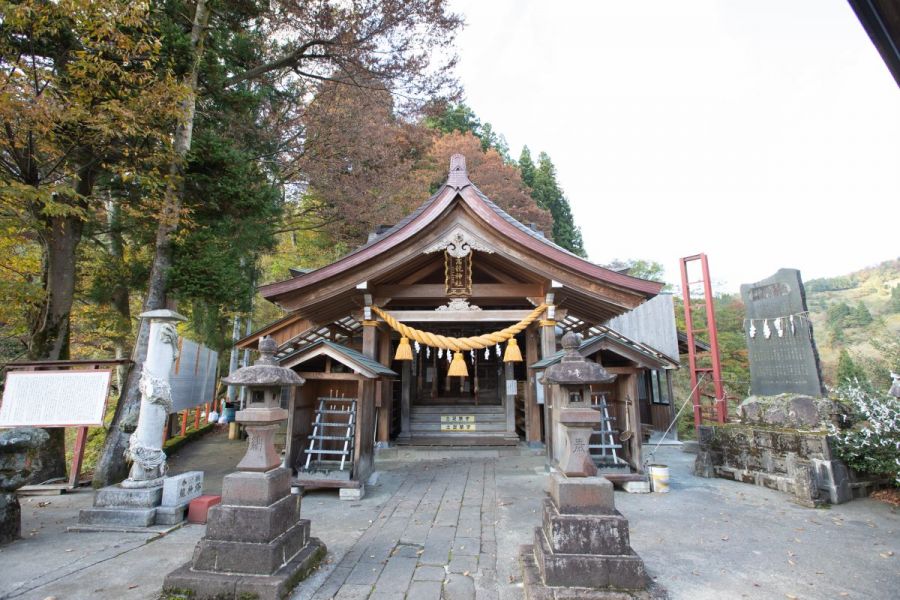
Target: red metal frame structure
[718,411]
[58,365]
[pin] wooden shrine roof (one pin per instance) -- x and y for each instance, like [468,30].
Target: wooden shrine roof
[535,265]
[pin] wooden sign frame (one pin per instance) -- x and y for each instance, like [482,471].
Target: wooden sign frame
[57,373]
[81,437]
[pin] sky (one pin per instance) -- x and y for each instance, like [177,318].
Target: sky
[765,134]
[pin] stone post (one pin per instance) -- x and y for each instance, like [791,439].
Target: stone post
[145,446]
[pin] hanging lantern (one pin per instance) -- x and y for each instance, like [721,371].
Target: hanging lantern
[513,354]
[404,351]
[457,366]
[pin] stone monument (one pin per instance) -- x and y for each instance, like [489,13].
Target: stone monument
[256,545]
[582,549]
[782,351]
[134,502]
[781,441]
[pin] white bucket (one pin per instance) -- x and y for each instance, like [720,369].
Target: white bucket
[659,478]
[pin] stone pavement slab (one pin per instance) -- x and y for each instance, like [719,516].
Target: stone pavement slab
[708,539]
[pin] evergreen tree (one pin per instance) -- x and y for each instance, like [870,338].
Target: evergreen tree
[456,117]
[894,303]
[861,315]
[849,372]
[526,166]
[546,192]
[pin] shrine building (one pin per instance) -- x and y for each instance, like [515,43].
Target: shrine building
[437,330]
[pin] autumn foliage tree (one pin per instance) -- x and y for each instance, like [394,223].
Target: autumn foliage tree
[81,104]
[500,181]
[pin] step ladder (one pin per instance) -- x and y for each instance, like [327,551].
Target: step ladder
[604,453]
[333,437]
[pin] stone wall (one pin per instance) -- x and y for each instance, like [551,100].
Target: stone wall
[781,443]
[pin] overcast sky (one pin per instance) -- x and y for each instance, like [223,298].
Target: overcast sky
[764,133]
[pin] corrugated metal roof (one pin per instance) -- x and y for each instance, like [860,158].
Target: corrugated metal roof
[351,355]
[613,336]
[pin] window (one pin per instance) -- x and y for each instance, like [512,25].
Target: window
[659,388]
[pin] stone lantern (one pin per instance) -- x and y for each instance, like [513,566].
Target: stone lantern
[262,413]
[582,548]
[571,379]
[256,545]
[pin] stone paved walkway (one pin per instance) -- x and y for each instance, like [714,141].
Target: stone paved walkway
[434,536]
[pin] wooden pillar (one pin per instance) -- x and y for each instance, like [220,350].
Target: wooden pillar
[637,439]
[406,384]
[533,433]
[365,409]
[670,395]
[385,398]
[509,400]
[548,348]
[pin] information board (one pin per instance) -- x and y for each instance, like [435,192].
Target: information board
[54,398]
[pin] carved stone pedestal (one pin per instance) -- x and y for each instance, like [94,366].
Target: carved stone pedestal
[256,545]
[582,549]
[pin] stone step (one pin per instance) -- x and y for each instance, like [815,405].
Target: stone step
[437,418]
[436,427]
[457,410]
[467,439]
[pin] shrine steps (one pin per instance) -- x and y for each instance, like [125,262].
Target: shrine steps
[489,426]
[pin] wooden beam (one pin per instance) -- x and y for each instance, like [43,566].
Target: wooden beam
[422,272]
[479,290]
[460,316]
[315,375]
[496,273]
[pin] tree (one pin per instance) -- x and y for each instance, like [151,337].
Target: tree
[373,44]
[894,302]
[80,102]
[636,267]
[547,193]
[861,315]
[526,167]
[498,180]
[358,158]
[462,119]
[849,373]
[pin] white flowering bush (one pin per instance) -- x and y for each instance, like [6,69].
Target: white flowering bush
[867,435]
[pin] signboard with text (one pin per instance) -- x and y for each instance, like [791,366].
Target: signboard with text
[54,398]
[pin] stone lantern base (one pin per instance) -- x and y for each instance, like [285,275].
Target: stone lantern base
[256,545]
[582,549]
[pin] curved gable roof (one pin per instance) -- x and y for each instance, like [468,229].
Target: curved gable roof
[458,185]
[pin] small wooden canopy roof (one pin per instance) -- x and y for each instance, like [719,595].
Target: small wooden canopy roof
[359,362]
[514,267]
[607,339]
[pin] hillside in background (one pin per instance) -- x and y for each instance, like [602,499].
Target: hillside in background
[860,313]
